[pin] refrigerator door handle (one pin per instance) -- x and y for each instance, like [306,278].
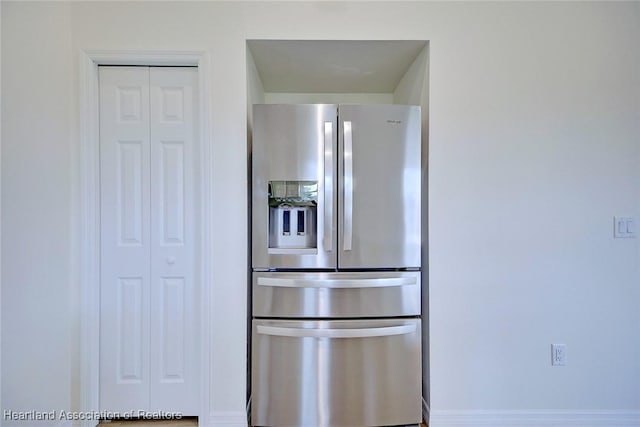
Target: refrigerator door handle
[348,185]
[336,333]
[328,186]
[336,283]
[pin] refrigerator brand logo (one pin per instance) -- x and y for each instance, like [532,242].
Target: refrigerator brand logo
[394,122]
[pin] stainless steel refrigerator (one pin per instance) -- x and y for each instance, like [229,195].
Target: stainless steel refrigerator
[336,327]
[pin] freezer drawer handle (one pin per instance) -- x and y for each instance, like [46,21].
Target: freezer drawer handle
[337,333]
[336,283]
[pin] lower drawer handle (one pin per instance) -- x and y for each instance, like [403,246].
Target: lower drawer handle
[336,333]
[282,282]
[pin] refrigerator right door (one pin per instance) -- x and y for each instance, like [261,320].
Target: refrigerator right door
[379,196]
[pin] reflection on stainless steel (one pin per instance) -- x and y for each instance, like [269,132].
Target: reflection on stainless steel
[348,186]
[328,186]
[308,377]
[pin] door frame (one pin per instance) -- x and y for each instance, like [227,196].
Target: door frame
[87,252]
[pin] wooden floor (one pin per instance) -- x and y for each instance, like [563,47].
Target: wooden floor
[160,423]
[190,422]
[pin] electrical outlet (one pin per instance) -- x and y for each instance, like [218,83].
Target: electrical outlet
[558,354]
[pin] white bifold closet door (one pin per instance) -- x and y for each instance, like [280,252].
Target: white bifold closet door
[148,306]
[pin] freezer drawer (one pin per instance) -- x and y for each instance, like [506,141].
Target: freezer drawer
[339,373]
[336,295]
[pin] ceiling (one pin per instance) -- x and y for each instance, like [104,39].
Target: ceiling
[333,66]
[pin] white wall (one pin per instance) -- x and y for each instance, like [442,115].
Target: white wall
[413,89]
[255,89]
[1,406]
[533,147]
[37,137]
[328,98]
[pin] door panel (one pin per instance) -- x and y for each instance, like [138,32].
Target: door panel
[294,143]
[129,176]
[148,309]
[380,191]
[125,242]
[174,325]
[336,373]
[172,331]
[130,331]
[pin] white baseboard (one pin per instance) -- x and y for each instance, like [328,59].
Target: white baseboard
[595,418]
[226,419]
[425,410]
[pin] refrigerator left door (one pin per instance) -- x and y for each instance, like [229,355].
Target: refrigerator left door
[293,201]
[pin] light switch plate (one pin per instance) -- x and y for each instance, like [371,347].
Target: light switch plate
[624,227]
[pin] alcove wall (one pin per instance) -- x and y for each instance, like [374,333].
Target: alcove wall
[347,72]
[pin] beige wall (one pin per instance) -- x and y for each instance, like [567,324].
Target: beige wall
[534,147]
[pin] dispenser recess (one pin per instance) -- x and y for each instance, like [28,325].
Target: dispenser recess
[293,217]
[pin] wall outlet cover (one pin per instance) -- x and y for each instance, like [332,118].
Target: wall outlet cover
[558,354]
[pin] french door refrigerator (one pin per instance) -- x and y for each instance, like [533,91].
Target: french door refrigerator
[336,327]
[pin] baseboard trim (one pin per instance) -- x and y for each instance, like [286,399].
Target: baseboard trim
[425,411]
[226,419]
[594,418]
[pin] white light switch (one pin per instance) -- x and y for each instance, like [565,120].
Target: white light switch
[624,226]
[631,227]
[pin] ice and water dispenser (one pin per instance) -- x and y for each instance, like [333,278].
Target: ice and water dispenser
[293,216]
